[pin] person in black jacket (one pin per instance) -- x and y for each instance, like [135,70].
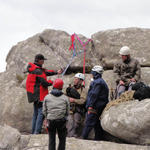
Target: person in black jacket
[37,88]
[96,101]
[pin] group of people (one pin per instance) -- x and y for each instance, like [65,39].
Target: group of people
[75,112]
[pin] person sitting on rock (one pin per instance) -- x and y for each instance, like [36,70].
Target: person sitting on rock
[56,109]
[127,71]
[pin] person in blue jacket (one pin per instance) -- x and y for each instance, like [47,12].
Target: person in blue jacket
[97,98]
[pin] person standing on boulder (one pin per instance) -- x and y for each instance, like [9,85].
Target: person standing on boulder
[37,88]
[96,101]
[56,109]
[127,71]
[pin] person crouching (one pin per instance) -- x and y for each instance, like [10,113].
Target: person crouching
[56,109]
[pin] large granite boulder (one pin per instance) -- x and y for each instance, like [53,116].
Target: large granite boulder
[10,138]
[14,108]
[108,43]
[103,50]
[129,121]
[55,47]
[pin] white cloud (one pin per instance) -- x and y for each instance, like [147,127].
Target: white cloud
[21,19]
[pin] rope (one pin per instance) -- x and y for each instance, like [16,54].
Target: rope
[84,48]
[74,54]
[72,46]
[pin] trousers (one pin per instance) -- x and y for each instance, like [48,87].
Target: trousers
[58,126]
[92,121]
[74,125]
[121,89]
[37,119]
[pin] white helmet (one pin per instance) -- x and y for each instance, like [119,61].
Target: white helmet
[125,50]
[80,76]
[98,69]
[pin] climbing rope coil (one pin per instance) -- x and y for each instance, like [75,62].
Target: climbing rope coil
[124,97]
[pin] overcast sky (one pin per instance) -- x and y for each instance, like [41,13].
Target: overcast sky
[20,19]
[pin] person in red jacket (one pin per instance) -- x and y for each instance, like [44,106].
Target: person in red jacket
[37,88]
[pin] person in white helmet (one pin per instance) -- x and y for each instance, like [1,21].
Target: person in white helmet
[127,71]
[77,96]
[96,100]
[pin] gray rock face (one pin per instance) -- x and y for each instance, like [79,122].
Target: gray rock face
[108,43]
[53,44]
[129,121]
[14,108]
[9,138]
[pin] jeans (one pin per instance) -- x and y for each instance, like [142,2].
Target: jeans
[37,120]
[58,126]
[122,88]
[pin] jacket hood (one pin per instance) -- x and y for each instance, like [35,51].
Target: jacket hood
[96,75]
[56,92]
[31,67]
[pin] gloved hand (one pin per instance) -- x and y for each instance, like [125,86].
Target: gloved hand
[71,100]
[59,71]
[91,110]
[50,81]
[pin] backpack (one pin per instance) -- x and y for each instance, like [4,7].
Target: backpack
[142,91]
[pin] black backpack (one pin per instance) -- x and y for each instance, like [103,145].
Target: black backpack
[142,91]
